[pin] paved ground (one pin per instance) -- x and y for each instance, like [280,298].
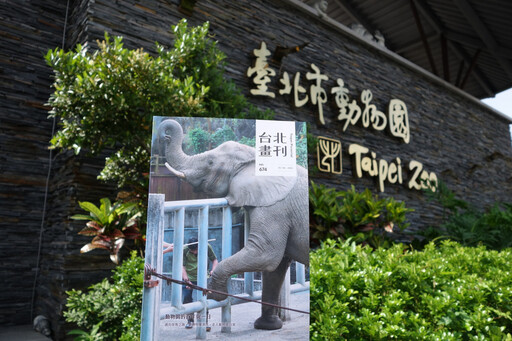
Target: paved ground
[243,317]
[21,333]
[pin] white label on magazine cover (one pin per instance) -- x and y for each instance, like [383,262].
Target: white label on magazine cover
[275,148]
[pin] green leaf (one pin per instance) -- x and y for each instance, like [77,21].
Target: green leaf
[105,207]
[95,212]
[81,217]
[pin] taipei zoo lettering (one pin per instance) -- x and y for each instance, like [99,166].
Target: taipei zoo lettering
[366,163]
[350,112]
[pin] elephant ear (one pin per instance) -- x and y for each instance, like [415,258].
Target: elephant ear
[247,189]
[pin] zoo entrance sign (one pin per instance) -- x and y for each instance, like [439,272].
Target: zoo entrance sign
[350,112]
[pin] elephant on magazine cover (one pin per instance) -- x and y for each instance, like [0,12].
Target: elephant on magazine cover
[277,207]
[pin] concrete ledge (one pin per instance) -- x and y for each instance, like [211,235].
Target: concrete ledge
[22,333]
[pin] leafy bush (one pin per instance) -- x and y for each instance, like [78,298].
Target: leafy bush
[111,310]
[446,293]
[470,226]
[107,98]
[347,214]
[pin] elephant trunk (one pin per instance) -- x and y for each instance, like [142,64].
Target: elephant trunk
[170,135]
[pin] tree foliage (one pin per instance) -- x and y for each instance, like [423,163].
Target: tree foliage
[106,98]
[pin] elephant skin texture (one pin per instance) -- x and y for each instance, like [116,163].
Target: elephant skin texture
[277,207]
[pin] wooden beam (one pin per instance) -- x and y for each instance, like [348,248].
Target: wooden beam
[471,67]
[459,74]
[423,37]
[502,51]
[415,44]
[446,64]
[484,34]
[485,84]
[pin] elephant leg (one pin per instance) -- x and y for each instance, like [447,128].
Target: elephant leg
[245,260]
[272,283]
[263,252]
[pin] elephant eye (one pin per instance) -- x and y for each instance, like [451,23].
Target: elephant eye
[210,162]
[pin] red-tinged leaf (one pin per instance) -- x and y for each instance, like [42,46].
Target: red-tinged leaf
[365,228]
[132,232]
[114,253]
[116,234]
[94,224]
[134,235]
[89,231]
[118,244]
[114,257]
[102,240]
[131,227]
[389,227]
[92,246]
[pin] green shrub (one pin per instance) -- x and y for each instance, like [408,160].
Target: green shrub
[111,309]
[446,293]
[105,99]
[361,215]
[470,226]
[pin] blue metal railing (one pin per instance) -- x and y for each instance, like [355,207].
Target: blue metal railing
[153,312]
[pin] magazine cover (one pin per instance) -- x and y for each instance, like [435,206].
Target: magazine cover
[227,250]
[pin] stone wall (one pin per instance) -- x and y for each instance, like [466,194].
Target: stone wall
[466,144]
[28,30]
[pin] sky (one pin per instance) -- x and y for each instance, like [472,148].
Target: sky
[502,102]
